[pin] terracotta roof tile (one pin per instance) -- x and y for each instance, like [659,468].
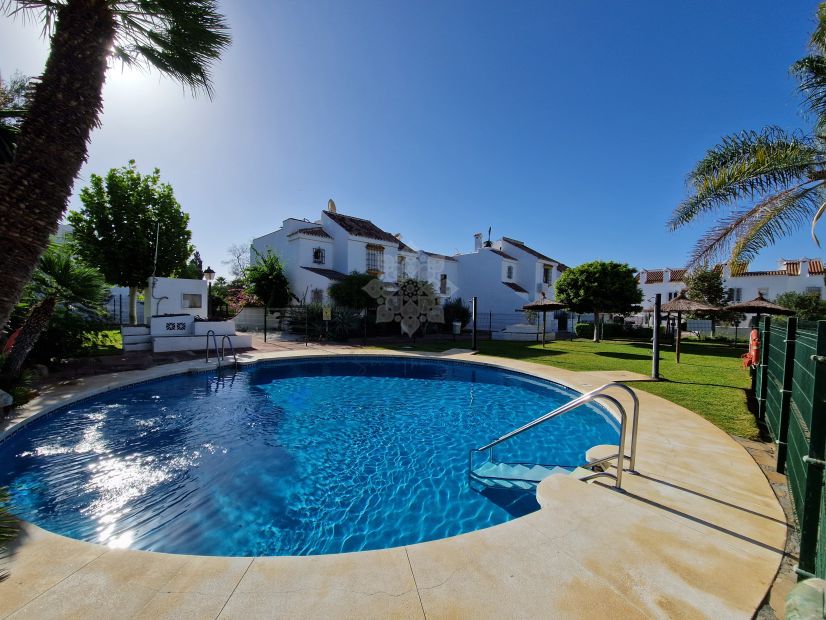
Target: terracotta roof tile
[359,227]
[677,275]
[653,276]
[315,231]
[816,267]
[501,253]
[442,256]
[529,250]
[330,274]
[793,267]
[514,286]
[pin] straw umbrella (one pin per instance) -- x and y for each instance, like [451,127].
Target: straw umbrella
[544,306]
[759,305]
[682,304]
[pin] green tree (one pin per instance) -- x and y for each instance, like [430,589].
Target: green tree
[706,285]
[599,287]
[265,279]
[60,278]
[194,269]
[13,103]
[180,38]
[116,229]
[350,292]
[768,183]
[807,307]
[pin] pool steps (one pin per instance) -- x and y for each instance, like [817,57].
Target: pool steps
[493,473]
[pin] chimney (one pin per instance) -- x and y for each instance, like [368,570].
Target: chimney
[477,242]
[331,206]
[666,275]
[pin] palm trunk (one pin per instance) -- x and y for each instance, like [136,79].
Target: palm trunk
[37,321]
[52,144]
[596,326]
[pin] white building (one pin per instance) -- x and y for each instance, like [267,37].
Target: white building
[505,275]
[317,254]
[804,275]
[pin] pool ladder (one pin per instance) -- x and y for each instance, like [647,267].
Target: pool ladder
[224,340]
[489,471]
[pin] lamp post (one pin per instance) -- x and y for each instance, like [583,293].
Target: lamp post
[209,274]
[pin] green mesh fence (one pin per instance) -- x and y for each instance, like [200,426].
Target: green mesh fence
[791,394]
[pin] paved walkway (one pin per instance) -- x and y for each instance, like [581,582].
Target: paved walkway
[697,533]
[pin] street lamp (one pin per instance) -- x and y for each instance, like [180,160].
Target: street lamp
[209,274]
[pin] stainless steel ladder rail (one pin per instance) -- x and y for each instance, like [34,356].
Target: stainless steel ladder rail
[598,393]
[224,339]
[215,343]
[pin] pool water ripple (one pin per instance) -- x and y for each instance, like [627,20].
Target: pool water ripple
[291,457]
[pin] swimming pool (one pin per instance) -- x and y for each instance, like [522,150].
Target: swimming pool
[293,457]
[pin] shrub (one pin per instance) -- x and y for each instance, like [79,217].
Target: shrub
[456,310]
[584,330]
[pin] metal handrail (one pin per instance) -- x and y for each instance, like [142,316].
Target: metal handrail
[226,338]
[578,402]
[214,342]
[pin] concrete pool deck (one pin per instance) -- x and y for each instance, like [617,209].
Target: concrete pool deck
[696,533]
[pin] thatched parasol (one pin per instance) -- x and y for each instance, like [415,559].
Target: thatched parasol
[681,304]
[544,306]
[759,305]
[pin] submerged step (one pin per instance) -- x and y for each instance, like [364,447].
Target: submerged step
[508,475]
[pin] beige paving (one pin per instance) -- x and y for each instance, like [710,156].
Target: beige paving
[697,532]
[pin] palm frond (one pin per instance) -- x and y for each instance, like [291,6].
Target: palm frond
[818,214]
[811,71]
[777,216]
[59,273]
[739,236]
[8,524]
[745,167]
[179,38]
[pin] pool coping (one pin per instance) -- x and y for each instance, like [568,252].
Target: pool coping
[699,500]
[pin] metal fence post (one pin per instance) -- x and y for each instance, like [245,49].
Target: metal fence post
[473,310]
[763,372]
[810,515]
[655,341]
[786,394]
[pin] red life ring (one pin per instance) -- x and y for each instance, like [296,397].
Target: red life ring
[752,358]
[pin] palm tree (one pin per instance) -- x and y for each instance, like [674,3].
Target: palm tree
[59,278]
[180,38]
[769,182]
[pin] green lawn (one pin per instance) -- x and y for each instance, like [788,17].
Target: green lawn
[101,342]
[709,379]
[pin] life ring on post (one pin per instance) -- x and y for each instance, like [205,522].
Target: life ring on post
[752,358]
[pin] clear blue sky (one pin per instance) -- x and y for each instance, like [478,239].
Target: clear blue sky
[568,125]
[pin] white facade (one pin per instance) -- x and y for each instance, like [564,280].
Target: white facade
[805,275]
[506,275]
[176,296]
[317,254]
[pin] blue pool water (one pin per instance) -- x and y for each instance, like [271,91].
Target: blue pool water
[290,457]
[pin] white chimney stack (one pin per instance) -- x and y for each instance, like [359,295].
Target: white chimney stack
[477,242]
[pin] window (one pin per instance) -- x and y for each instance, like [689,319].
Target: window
[735,294]
[191,300]
[510,272]
[318,256]
[547,272]
[813,290]
[375,259]
[318,295]
[443,284]
[672,295]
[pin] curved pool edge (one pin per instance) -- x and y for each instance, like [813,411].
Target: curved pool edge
[683,538]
